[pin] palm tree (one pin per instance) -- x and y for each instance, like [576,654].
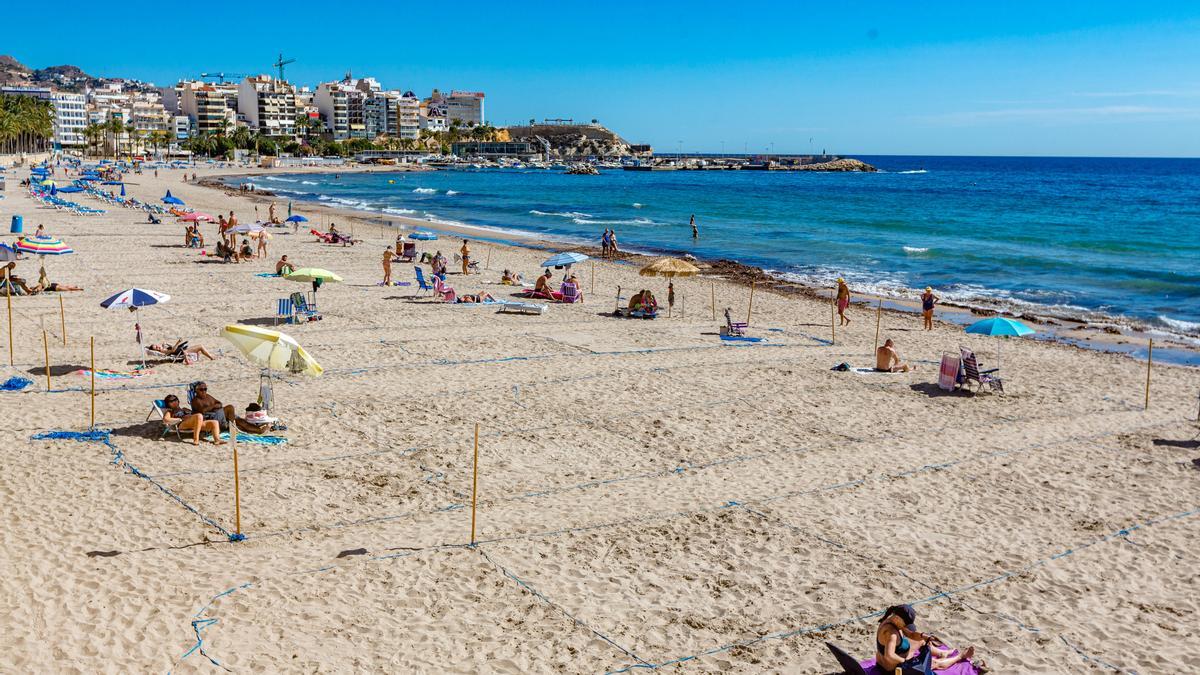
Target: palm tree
[26,124]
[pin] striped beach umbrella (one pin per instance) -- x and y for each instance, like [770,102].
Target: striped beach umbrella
[132,299]
[43,246]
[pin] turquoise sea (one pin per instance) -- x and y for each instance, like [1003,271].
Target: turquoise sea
[1097,239]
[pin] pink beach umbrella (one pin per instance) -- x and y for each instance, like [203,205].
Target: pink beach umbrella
[197,216]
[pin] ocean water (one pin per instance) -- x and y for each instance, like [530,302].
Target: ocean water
[1090,238]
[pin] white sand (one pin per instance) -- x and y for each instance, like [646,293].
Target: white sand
[665,494]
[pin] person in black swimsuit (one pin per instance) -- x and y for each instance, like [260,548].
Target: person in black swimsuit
[928,300]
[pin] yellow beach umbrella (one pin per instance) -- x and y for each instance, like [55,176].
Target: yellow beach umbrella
[670,267]
[313,274]
[271,349]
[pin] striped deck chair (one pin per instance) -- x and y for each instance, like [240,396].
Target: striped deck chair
[285,311]
[971,372]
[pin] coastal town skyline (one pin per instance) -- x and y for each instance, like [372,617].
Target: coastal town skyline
[934,80]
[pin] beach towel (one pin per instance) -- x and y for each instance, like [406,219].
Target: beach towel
[960,668]
[15,384]
[267,274]
[105,374]
[740,338]
[255,439]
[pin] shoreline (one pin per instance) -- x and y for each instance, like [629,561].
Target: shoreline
[1104,336]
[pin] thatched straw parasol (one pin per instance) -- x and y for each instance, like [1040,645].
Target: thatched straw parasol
[670,267]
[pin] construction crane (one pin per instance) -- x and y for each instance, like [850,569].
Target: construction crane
[281,63]
[220,76]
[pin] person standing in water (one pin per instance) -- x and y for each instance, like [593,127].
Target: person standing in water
[928,301]
[843,301]
[695,230]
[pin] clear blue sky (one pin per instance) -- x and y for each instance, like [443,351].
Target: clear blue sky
[999,78]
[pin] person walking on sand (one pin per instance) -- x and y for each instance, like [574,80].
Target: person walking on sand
[387,266]
[695,230]
[928,301]
[843,301]
[466,257]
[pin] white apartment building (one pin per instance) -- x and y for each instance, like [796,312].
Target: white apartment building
[269,105]
[407,120]
[181,127]
[333,107]
[70,117]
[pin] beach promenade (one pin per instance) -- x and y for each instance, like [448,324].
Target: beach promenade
[650,496]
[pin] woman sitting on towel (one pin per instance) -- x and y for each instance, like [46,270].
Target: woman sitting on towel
[189,421]
[898,644]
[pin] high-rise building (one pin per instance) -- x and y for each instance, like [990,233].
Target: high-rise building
[211,108]
[407,122]
[465,107]
[333,107]
[269,105]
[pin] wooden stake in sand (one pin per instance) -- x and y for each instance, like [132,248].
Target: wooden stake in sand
[62,317]
[93,373]
[488,265]
[1149,360]
[833,317]
[713,293]
[474,483]
[750,306]
[878,316]
[237,486]
[46,349]
[8,295]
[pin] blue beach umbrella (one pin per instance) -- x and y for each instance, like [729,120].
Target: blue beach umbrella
[564,259]
[296,219]
[69,188]
[122,189]
[111,182]
[171,199]
[423,236]
[999,326]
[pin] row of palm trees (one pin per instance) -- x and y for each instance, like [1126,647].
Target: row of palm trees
[114,136]
[26,124]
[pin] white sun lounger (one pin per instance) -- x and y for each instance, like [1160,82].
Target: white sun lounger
[522,307]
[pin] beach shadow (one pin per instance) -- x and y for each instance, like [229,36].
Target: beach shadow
[261,321]
[931,389]
[149,429]
[166,246]
[210,260]
[1171,443]
[56,371]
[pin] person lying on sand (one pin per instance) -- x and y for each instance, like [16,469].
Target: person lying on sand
[190,421]
[169,349]
[53,287]
[480,297]
[887,360]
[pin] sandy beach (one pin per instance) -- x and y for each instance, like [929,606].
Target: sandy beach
[650,496]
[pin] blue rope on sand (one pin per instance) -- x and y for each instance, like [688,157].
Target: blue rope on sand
[15,383]
[118,458]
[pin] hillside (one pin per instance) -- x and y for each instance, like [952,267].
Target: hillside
[65,77]
[573,140]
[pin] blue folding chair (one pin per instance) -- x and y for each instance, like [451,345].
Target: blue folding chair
[285,310]
[421,284]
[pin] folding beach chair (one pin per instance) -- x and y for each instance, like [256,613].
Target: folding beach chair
[570,293]
[444,291]
[409,253]
[159,411]
[471,266]
[971,372]
[731,327]
[422,285]
[303,308]
[285,310]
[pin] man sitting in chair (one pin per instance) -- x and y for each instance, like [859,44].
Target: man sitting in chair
[887,360]
[210,407]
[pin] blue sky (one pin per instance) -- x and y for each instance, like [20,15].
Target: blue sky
[1012,78]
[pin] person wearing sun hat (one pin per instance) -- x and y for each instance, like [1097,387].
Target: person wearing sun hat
[928,300]
[843,301]
[900,646]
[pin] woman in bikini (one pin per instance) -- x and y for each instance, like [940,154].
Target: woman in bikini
[189,421]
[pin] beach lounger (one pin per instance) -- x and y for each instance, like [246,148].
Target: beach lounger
[971,373]
[731,327]
[422,285]
[159,412]
[522,307]
[325,238]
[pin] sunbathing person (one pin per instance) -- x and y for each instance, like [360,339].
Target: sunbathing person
[17,282]
[190,421]
[510,278]
[945,656]
[210,407]
[284,267]
[256,421]
[887,360]
[53,287]
[479,297]
[180,347]
[542,287]
[897,642]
